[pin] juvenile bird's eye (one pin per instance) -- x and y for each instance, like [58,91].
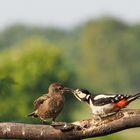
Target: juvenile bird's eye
[60,88]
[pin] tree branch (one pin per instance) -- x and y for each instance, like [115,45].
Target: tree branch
[77,130]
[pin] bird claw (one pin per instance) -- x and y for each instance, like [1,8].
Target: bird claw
[97,118]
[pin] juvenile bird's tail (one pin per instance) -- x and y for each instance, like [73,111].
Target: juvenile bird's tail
[133,97]
[33,114]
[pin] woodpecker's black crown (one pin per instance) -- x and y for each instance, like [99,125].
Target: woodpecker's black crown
[85,91]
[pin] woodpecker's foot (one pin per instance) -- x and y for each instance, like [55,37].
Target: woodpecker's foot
[109,114]
[97,118]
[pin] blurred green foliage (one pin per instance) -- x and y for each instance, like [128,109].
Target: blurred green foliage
[101,55]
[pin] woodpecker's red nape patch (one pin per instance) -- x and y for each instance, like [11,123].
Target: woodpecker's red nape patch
[121,103]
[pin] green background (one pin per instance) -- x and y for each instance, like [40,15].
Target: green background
[101,55]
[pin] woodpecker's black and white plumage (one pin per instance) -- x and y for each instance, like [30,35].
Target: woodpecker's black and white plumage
[103,105]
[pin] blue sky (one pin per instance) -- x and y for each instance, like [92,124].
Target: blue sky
[66,13]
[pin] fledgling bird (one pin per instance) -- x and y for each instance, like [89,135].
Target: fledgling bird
[103,105]
[49,105]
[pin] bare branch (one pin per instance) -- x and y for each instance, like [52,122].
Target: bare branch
[77,130]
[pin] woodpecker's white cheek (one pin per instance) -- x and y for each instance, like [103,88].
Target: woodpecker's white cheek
[81,95]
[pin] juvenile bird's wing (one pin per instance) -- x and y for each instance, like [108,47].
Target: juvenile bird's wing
[40,100]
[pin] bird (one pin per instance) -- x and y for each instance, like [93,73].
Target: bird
[103,105]
[49,105]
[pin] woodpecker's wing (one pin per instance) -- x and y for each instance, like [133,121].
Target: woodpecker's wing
[103,99]
[40,100]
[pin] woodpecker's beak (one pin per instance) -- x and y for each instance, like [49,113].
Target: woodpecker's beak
[72,91]
[68,89]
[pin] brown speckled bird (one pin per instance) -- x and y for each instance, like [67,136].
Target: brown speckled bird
[49,105]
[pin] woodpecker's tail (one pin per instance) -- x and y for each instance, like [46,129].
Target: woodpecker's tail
[33,114]
[133,97]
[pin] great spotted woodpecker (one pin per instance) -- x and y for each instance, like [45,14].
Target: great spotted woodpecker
[103,105]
